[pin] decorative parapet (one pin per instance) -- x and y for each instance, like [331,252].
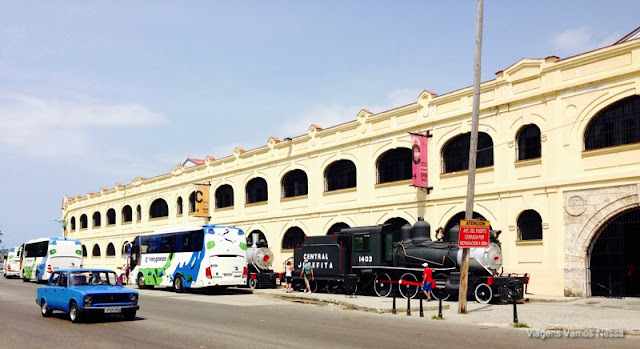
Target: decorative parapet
[237,152]
[137,181]
[177,170]
[208,161]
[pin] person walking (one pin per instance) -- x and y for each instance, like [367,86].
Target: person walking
[307,272]
[288,274]
[427,281]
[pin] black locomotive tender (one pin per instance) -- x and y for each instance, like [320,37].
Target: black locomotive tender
[368,259]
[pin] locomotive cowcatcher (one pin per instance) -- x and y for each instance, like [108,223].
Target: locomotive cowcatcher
[383,260]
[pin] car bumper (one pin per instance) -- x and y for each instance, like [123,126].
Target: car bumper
[102,309]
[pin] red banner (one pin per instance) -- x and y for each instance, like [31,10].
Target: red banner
[419,160]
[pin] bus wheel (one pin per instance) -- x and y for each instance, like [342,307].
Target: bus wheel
[140,281]
[177,284]
[75,314]
[483,293]
[44,310]
[253,283]
[37,277]
[381,285]
[408,291]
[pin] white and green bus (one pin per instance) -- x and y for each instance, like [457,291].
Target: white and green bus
[40,257]
[12,263]
[190,257]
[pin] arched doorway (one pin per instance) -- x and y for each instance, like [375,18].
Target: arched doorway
[613,258]
[396,223]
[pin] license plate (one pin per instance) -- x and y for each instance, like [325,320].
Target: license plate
[227,274]
[112,310]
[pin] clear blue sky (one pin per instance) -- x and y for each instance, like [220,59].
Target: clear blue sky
[93,93]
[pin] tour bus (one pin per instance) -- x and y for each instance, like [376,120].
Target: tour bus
[42,256]
[12,263]
[190,257]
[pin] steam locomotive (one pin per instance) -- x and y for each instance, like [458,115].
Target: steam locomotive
[259,262]
[368,259]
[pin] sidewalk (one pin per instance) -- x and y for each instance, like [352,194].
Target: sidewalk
[538,312]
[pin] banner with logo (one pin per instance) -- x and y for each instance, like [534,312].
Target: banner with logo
[202,200]
[419,161]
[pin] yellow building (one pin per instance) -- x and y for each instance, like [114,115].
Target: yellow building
[558,173]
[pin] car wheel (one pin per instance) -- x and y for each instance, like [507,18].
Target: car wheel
[75,314]
[130,315]
[44,310]
[177,284]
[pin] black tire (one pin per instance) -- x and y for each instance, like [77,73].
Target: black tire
[75,313]
[178,287]
[408,291]
[44,309]
[483,293]
[313,285]
[381,287]
[253,283]
[140,281]
[24,279]
[37,277]
[130,315]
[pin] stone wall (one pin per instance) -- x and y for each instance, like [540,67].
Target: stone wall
[585,214]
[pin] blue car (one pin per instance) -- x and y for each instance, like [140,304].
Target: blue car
[80,292]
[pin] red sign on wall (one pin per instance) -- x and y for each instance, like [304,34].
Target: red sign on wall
[473,233]
[419,161]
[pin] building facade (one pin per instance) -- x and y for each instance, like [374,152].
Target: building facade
[558,173]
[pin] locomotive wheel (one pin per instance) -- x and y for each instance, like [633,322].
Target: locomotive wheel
[408,291]
[382,289]
[440,292]
[483,293]
[333,286]
[313,284]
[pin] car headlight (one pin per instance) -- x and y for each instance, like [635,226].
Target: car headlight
[87,299]
[133,297]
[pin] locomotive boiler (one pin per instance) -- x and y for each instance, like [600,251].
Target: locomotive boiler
[259,262]
[381,265]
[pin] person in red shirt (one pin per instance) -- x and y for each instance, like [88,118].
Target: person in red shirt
[427,281]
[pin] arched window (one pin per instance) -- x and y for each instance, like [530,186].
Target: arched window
[192,202]
[179,205]
[292,238]
[396,223]
[111,250]
[159,208]
[73,223]
[294,183]
[394,165]
[337,227]
[617,124]
[83,221]
[529,226]
[138,213]
[96,251]
[455,153]
[125,247]
[262,239]
[257,190]
[111,216]
[456,220]
[340,175]
[84,251]
[127,214]
[96,219]
[224,196]
[528,142]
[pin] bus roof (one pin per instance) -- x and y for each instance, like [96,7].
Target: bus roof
[50,239]
[184,228]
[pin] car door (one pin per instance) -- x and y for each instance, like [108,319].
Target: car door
[51,291]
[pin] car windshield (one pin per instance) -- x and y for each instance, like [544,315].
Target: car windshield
[88,277]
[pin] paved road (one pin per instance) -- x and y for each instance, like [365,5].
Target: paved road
[238,319]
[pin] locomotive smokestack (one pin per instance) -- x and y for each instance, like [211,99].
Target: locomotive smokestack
[254,239]
[405,233]
[421,231]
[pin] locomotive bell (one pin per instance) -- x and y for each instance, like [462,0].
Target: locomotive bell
[405,233]
[421,231]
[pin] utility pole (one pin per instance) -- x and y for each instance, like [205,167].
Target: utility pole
[473,150]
